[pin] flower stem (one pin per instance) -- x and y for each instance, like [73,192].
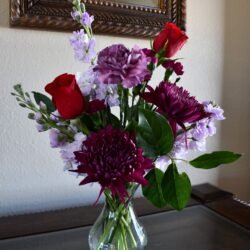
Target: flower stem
[126,225]
[125,244]
[125,95]
[118,228]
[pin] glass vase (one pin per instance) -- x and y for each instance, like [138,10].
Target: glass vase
[117,228]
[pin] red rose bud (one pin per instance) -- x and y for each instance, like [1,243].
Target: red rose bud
[66,96]
[171,39]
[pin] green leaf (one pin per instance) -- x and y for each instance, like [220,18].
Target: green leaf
[154,134]
[153,191]
[22,105]
[177,80]
[114,120]
[43,98]
[137,89]
[18,89]
[131,127]
[85,124]
[213,160]
[176,188]
[148,149]
[90,122]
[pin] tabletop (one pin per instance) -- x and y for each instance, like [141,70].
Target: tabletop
[213,220]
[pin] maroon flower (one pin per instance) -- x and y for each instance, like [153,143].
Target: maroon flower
[95,106]
[177,67]
[150,54]
[176,104]
[111,158]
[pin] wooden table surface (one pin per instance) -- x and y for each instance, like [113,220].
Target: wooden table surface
[206,224]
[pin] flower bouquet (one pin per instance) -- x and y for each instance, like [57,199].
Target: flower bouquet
[116,130]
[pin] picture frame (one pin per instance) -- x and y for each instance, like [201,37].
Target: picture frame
[112,17]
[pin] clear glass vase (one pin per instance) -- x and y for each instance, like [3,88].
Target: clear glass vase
[117,229]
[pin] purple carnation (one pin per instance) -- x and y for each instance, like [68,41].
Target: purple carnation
[116,64]
[111,62]
[137,69]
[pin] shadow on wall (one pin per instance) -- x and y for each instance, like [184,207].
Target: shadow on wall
[236,97]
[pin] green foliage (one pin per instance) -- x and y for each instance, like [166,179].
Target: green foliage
[86,124]
[90,123]
[18,89]
[213,160]
[137,89]
[22,105]
[113,120]
[153,192]
[131,127]
[97,121]
[31,116]
[154,134]
[176,188]
[43,98]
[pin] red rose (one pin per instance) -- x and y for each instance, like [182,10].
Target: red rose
[66,96]
[172,38]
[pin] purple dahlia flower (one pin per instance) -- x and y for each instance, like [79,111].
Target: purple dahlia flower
[111,158]
[116,64]
[176,104]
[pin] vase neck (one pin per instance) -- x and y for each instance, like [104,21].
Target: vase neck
[116,206]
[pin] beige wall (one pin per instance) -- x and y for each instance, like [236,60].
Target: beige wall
[236,96]
[217,67]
